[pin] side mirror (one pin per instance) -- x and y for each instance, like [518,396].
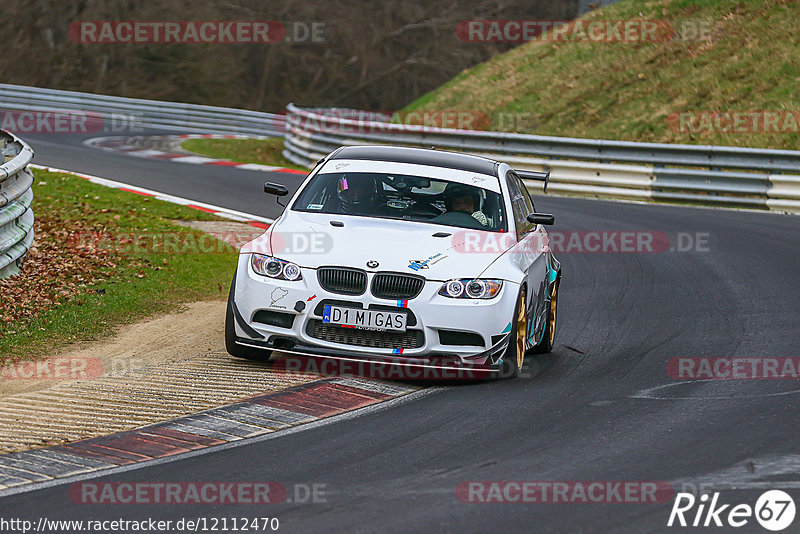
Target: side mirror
[542,218]
[275,189]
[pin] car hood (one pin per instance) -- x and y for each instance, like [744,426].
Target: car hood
[401,246]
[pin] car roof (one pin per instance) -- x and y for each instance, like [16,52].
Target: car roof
[419,156]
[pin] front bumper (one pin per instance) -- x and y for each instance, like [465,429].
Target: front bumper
[485,323]
[370,365]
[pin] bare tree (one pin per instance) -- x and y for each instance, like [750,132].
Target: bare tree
[375,54]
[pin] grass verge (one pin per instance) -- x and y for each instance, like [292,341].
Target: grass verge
[262,151]
[728,56]
[103,258]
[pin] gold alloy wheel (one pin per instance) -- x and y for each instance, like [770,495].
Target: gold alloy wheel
[522,329]
[553,311]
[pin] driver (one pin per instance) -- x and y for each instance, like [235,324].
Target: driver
[358,194]
[466,199]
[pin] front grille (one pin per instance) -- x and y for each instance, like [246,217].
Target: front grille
[342,280]
[397,286]
[410,339]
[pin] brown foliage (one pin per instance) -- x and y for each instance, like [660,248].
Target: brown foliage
[376,54]
[65,261]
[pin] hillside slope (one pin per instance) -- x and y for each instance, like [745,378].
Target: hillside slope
[743,60]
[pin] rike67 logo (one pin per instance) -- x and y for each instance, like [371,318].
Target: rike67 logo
[774,510]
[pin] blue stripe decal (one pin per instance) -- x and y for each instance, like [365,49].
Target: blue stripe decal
[544,327]
[531,329]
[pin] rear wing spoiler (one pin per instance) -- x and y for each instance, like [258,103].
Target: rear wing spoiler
[535,175]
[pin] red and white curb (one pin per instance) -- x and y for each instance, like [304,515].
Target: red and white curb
[239,216]
[253,417]
[122,144]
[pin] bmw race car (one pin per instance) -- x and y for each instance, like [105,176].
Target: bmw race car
[416,257]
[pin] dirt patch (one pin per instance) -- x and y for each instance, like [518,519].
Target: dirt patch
[165,339]
[153,370]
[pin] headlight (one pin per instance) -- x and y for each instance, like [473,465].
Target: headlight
[466,288]
[453,288]
[275,268]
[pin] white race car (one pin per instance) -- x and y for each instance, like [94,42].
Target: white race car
[416,257]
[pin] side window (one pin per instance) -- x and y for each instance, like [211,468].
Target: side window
[527,195]
[520,203]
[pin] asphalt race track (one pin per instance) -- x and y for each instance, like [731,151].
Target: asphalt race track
[205,183]
[601,407]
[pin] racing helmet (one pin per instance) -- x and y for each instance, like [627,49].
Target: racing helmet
[453,190]
[356,190]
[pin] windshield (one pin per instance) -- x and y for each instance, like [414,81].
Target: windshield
[410,198]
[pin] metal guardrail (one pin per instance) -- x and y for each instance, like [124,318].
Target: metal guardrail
[145,113]
[717,175]
[16,215]
[705,174]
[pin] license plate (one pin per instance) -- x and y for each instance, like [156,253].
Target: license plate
[365,319]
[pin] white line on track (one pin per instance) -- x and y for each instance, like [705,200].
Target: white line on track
[654,392]
[218,210]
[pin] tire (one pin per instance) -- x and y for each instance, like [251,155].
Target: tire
[231,347]
[515,353]
[549,336]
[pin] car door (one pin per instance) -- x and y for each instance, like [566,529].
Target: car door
[530,240]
